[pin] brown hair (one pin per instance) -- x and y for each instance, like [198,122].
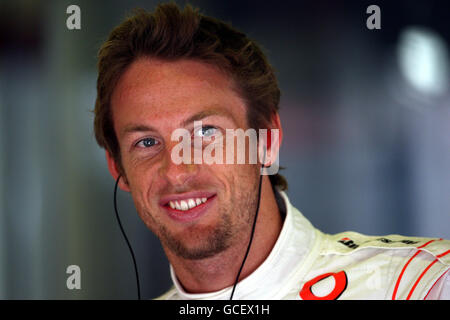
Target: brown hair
[170,34]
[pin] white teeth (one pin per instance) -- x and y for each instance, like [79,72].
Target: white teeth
[187,204]
[184,205]
[191,203]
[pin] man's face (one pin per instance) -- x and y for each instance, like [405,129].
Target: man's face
[152,99]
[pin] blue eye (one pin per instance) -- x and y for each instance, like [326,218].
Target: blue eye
[206,131]
[146,143]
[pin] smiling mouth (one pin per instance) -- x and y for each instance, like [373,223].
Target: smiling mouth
[184,205]
[190,203]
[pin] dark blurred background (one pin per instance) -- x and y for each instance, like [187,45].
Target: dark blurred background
[366,118]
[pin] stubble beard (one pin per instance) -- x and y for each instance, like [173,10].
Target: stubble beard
[212,240]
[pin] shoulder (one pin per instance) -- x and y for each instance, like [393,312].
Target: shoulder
[383,267]
[350,242]
[440,289]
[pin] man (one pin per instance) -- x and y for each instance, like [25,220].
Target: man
[227,230]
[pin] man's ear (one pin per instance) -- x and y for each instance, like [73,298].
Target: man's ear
[274,139]
[114,171]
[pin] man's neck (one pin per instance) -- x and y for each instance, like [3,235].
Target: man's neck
[220,271]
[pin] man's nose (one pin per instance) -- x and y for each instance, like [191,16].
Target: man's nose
[176,174]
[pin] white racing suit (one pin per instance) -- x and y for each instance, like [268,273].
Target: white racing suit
[308,264]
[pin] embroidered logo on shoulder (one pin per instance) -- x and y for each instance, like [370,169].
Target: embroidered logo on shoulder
[405,241]
[349,242]
[346,241]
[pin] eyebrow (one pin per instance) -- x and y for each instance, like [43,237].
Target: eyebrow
[196,117]
[137,128]
[208,113]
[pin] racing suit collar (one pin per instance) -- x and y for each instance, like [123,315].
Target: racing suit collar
[270,279]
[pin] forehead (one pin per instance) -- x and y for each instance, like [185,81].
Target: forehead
[156,88]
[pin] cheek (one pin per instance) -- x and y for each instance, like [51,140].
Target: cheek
[141,178]
[144,198]
[137,165]
[237,178]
